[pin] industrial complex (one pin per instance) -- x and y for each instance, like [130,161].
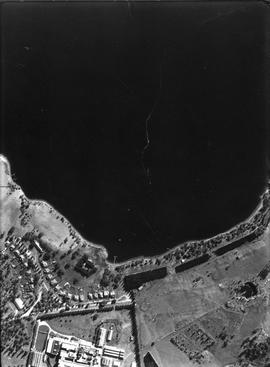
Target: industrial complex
[69,351]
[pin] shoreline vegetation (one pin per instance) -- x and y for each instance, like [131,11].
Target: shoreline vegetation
[185,252]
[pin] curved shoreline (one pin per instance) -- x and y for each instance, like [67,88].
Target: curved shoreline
[196,241]
[142,258]
[39,202]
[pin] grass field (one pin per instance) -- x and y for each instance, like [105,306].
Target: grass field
[41,338]
[201,295]
[84,326]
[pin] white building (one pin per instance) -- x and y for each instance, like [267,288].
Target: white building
[19,303]
[106,362]
[101,337]
[110,334]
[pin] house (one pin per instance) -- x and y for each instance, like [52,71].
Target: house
[22,258]
[37,246]
[28,254]
[19,303]
[106,294]
[85,267]
[81,298]
[53,282]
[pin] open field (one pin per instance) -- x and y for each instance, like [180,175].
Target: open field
[201,308]
[41,339]
[84,326]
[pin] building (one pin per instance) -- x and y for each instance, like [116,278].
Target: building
[101,337]
[19,303]
[37,246]
[22,257]
[85,266]
[69,347]
[53,346]
[106,362]
[82,353]
[28,254]
[110,334]
[53,282]
[113,352]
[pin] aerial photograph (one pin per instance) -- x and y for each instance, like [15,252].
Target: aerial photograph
[135,183]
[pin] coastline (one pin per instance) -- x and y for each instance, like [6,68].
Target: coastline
[39,202]
[141,258]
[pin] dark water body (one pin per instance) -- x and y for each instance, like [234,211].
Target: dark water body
[149,360]
[134,281]
[190,264]
[79,82]
[223,250]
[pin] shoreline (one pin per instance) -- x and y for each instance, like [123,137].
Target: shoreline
[105,251]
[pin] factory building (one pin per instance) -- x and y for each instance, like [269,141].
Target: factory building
[101,337]
[113,352]
[110,334]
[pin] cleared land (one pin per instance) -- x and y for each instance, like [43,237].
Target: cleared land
[200,314]
[84,326]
